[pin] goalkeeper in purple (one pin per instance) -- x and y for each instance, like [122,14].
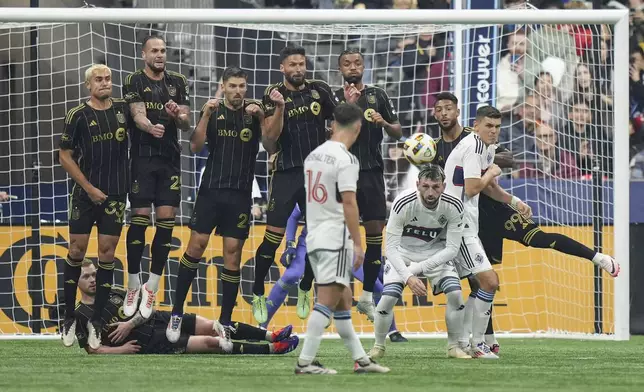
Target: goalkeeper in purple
[293,259]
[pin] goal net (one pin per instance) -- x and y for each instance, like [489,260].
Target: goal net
[553,83]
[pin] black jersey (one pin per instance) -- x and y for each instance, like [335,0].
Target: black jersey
[233,142]
[138,87]
[305,114]
[443,148]
[99,141]
[368,146]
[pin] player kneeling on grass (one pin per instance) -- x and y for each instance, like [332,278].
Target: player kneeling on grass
[424,234]
[333,239]
[136,335]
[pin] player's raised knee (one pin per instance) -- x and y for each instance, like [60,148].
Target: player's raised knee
[489,281]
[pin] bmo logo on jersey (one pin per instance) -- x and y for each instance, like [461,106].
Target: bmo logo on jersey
[422,233]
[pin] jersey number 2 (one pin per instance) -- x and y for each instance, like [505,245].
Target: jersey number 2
[317,192]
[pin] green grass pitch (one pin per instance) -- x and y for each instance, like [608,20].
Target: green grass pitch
[419,365]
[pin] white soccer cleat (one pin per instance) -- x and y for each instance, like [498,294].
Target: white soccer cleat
[609,265]
[131,301]
[147,302]
[457,352]
[94,335]
[173,331]
[367,308]
[223,332]
[483,351]
[377,352]
[68,332]
[314,367]
[371,367]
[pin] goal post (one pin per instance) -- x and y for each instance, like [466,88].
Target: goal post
[83,33]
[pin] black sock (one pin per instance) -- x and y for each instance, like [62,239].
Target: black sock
[230,282]
[264,258]
[490,327]
[307,280]
[250,348]
[104,280]
[135,242]
[71,274]
[243,331]
[559,242]
[188,268]
[371,264]
[161,245]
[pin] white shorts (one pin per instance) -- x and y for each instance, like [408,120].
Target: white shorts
[332,266]
[435,277]
[471,258]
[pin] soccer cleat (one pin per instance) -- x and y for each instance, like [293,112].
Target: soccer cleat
[377,352]
[366,308]
[259,309]
[457,352]
[495,348]
[371,367]
[68,332]
[303,303]
[314,367]
[173,331]
[222,331]
[396,337]
[131,301]
[147,302]
[94,334]
[282,334]
[609,265]
[483,351]
[286,346]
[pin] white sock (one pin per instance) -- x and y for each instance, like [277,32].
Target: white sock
[468,314]
[383,316]
[318,320]
[482,305]
[366,296]
[345,329]
[153,282]
[133,281]
[454,315]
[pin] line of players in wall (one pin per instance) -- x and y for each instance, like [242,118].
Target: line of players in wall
[330,176]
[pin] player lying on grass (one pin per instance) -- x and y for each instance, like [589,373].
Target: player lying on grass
[293,259]
[424,234]
[136,335]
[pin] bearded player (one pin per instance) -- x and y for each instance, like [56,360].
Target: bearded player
[498,221]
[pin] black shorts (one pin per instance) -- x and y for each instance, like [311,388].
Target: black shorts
[159,344]
[499,221]
[286,189]
[228,210]
[83,214]
[371,195]
[155,180]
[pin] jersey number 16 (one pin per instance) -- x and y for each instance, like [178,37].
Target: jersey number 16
[316,191]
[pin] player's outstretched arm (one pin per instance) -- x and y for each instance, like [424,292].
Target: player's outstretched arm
[128,348]
[273,119]
[499,194]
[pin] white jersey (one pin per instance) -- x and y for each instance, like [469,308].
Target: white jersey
[415,233]
[328,170]
[470,159]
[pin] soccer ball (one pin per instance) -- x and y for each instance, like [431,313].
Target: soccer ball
[419,149]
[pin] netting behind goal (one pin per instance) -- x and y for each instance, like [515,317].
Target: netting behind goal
[553,85]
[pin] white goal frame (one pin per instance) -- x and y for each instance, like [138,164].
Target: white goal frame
[617,18]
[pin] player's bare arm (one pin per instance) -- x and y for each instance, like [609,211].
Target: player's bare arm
[180,114]
[499,194]
[198,139]
[474,186]
[123,328]
[394,130]
[139,115]
[272,125]
[352,217]
[71,167]
[128,348]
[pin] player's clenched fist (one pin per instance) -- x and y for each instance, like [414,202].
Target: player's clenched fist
[276,97]
[377,118]
[157,130]
[495,170]
[351,93]
[524,209]
[172,109]
[254,110]
[210,106]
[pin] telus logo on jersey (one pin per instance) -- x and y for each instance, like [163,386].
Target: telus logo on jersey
[421,233]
